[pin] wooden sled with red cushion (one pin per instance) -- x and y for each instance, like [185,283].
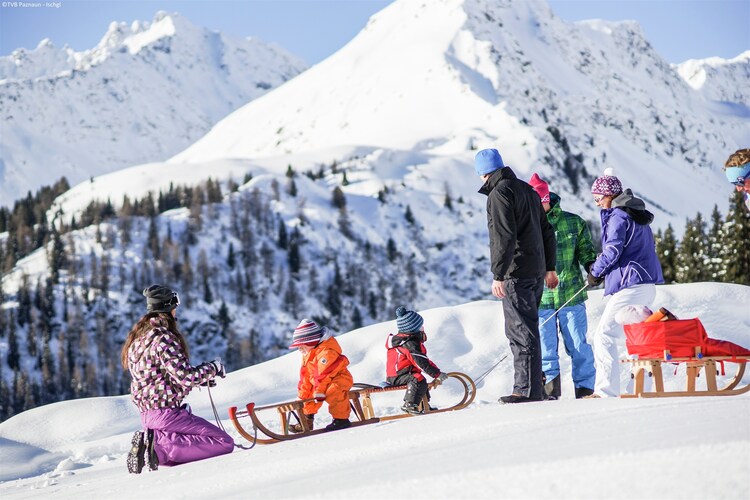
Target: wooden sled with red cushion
[682,341]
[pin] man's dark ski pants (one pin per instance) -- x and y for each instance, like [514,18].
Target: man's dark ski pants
[521,309]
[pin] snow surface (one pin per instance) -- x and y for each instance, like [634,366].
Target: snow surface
[605,448]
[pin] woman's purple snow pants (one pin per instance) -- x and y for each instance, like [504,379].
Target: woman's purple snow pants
[181,437]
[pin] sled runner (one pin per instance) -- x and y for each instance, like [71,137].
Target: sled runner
[676,342]
[360,399]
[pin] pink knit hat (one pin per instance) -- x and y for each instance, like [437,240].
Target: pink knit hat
[541,187]
[607,184]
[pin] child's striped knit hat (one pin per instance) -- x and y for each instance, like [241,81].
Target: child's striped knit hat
[408,321]
[307,333]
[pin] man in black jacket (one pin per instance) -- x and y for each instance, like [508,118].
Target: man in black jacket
[522,251]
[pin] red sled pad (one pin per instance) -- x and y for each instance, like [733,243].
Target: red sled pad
[682,338]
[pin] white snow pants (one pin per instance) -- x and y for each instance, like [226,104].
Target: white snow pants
[605,338]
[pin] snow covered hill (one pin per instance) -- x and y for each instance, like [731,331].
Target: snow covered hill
[144,93]
[607,448]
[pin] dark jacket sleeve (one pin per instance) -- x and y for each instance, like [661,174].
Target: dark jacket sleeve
[503,231]
[421,359]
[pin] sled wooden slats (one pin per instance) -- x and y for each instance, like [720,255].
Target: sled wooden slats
[361,403]
[469,387]
[694,367]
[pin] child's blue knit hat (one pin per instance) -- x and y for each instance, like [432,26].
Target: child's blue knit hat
[408,321]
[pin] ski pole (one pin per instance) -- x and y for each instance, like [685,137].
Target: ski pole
[566,303]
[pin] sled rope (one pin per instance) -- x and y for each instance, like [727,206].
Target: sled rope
[221,426]
[482,376]
[566,303]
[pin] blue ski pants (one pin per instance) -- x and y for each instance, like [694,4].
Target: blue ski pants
[572,324]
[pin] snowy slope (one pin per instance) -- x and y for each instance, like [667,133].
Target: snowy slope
[669,448]
[144,93]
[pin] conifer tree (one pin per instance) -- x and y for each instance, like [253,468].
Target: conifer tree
[153,239]
[56,257]
[356,318]
[14,358]
[293,255]
[391,250]
[231,261]
[736,242]
[691,259]
[291,188]
[715,265]
[408,215]
[448,202]
[338,199]
[282,240]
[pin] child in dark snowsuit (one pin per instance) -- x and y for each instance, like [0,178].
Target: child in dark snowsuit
[407,357]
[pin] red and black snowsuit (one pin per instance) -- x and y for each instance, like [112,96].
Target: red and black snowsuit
[407,357]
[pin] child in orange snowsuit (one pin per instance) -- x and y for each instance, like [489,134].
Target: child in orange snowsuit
[323,375]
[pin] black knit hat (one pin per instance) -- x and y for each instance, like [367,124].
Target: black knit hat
[160,298]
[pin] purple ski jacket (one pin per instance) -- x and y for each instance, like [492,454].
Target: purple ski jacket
[161,375]
[628,255]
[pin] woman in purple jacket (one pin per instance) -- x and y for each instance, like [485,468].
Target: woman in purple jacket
[629,267]
[156,354]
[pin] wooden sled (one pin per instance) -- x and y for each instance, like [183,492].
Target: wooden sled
[360,399]
[653,367]
[675,342]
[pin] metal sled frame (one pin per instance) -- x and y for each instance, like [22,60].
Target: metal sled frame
[360,400]
[653,367]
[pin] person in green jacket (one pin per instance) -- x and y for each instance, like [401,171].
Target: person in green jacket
[574,249]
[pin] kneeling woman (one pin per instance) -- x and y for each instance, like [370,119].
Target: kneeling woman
[156,355]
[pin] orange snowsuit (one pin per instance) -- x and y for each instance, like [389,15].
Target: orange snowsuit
[324,371]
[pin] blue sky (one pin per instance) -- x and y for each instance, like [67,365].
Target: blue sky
[314,29]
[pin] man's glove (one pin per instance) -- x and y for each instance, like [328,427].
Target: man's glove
[320,397]
[594,280]
[440,378]
[220,371]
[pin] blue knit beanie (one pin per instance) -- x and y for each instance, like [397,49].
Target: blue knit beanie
[487,161]
[408,321]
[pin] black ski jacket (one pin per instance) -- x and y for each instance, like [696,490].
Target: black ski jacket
[522,241]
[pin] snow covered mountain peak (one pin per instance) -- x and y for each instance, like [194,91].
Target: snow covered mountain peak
[564,99]
[143,93]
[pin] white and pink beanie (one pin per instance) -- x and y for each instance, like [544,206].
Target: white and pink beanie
[607,184]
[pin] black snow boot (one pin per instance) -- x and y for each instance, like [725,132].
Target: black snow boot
[338,424]
[412,408]
[298,429]
[552,389]
[582,392]
[516,398]
[135,456]
[150,457]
